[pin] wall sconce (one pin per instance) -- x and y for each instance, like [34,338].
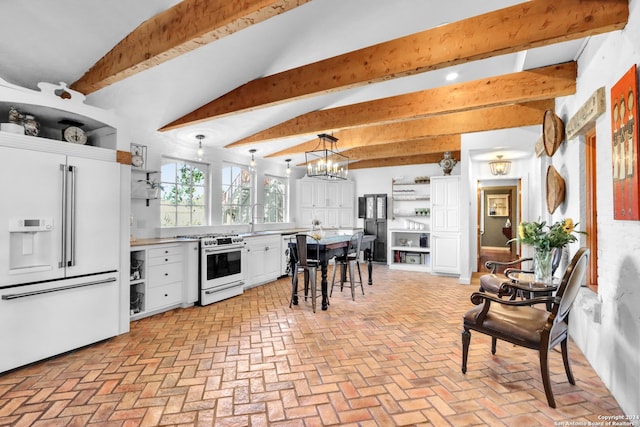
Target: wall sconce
[500,167]
[200,152]
[252,164]
[288,166]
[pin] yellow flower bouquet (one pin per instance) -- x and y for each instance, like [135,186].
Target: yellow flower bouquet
[544,237]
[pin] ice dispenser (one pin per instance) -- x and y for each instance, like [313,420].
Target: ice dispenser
[30,245]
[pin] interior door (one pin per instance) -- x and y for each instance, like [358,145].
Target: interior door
[498,219]
[375,223]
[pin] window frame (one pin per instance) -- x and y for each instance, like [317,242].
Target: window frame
[243,210]
[201,166]
[283,207]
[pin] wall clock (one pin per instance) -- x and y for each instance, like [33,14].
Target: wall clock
[75,135]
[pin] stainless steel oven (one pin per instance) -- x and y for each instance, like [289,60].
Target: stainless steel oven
[222,268]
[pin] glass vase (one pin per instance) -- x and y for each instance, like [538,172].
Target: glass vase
[542,266]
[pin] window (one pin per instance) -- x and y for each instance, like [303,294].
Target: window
[184,186]
[274,199]
[236,194]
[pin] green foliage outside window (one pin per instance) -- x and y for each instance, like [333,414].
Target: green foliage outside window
[184,189]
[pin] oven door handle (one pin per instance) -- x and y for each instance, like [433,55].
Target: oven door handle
[222,249]
[222,288]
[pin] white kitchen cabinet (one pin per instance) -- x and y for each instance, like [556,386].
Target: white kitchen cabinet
[163,277]
[409,250]
[191,271]
[445,224]
[445,253]
[332,203]
[263,259]
[445,200]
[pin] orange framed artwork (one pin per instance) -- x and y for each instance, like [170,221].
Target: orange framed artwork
[624,145]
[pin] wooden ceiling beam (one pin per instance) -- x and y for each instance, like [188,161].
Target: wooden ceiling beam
[478,120]
[401,161]
[184,27]
[512,29]
[531,85]
[431,145]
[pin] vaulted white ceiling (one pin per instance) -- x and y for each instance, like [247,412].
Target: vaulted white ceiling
[58,41]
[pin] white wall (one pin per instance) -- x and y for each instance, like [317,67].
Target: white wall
[146,219]
[612,345]
[378,180]
[605,325]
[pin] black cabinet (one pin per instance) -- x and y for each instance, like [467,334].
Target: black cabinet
[375,223]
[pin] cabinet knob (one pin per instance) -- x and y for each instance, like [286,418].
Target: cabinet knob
[166,274]
[166,259]
[166,295]
[266,248]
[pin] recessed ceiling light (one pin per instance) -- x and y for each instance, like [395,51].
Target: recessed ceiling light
[452,76]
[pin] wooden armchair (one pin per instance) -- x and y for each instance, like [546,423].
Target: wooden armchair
[519,323]
[499,284]
[493,282]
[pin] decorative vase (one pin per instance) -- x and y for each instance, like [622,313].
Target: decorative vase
[542,266]
[447,163]
[31,126]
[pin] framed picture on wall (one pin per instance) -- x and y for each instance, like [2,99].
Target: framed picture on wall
[498,204]
[624,146]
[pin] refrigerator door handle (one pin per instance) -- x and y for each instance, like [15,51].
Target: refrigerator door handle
[63,226]
[72,217]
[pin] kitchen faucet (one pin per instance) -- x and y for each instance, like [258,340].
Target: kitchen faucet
[255,217]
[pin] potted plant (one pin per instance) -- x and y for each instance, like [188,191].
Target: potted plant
[153,188]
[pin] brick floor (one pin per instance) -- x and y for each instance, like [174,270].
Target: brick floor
[389,358]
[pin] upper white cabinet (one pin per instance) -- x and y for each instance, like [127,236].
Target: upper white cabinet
[445,224]
[332,203]
[55,113]
[445,203]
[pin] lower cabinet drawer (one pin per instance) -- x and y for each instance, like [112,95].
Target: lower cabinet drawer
[165,250]
[163,274]
[162,296]
[165,259]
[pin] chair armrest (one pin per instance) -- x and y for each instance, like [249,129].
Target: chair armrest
[526,287]
[493,265]
[480,297]
[508,271]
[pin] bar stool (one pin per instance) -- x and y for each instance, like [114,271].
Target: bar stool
[309,267]
[352,259]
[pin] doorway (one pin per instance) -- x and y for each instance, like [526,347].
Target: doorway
[498,219]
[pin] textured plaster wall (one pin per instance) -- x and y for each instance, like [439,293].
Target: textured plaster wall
[606,324]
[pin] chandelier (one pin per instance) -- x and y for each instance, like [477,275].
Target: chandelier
[326,162]
[500,167]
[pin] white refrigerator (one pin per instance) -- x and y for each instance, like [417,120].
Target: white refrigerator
[59,253]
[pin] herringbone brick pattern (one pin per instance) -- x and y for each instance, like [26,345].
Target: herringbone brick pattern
[389,358]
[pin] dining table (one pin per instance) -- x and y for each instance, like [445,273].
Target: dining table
[327,248]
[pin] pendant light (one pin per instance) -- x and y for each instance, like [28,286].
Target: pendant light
[288,171]
[326,162]
[500,167]
[200,152]
[252,164]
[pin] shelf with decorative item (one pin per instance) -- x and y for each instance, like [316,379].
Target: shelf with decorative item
[146,189]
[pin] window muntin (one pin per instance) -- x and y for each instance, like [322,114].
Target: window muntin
[184,188]
[274,199]
[236,194]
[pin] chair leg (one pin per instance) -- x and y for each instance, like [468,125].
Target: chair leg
[494,342]
[352,282]
[306,283]
[466,339]
[360,276]
[294,287]
[565,358]
[544,371]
